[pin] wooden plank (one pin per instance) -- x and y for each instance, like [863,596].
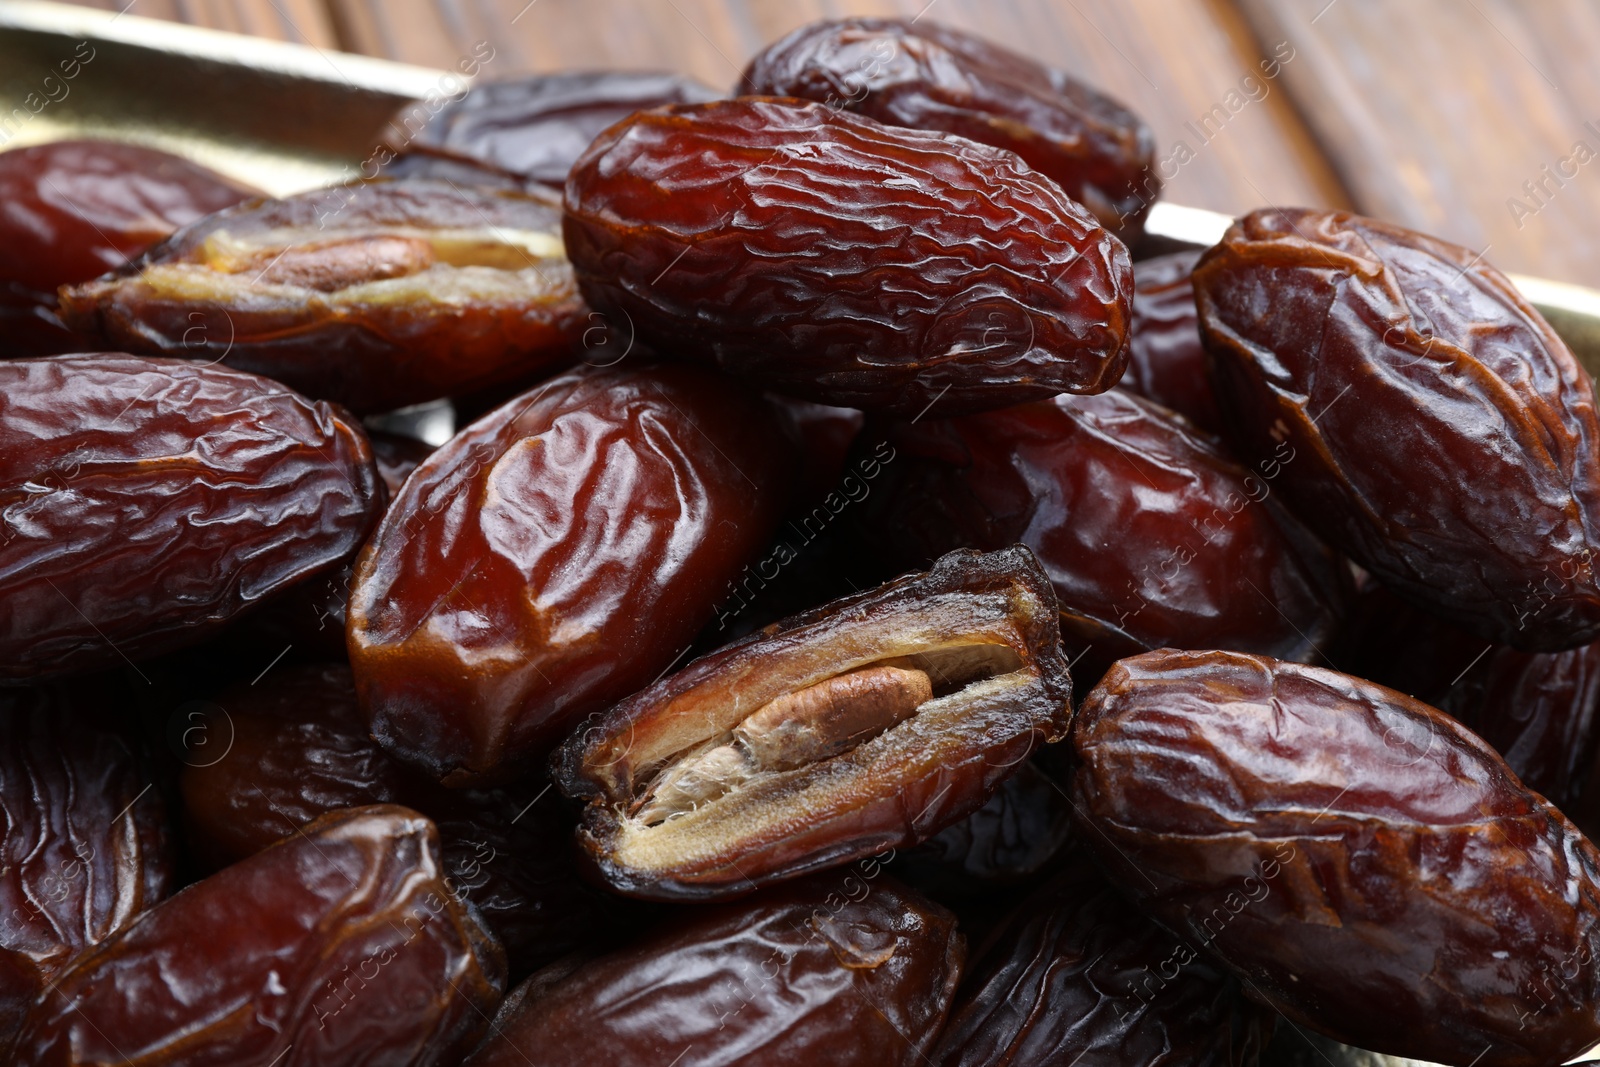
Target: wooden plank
[1443,115]
[1173,61]
[300,21]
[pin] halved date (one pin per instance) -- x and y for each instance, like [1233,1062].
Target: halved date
[374,294]
[555,556]
[825,255]
[872,722]
[854,972]
[146,502]
[338,946]
[1367,865]
[930,77]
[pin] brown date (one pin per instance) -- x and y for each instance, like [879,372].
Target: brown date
[335,947]
[373,294]
[852,971]
[825,255]
[85,846]
[533,128]
[71,210]
[555,556]
[1149,533]
[146,502]
[1366,865]
[1079,976]
[868,723]
[1167,362]
[931,77]
[1400,369]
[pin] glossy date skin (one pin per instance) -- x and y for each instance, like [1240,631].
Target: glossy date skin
[1167,362]
[871,722]
[338,947]
[827,256]
[854,971]
[373,294]
[1363,862]
[1078,975]
[1395,365]
[535,128]
[85,846]
[931,77]
[1151,536]
[146,502]
[71,210]
[555,556]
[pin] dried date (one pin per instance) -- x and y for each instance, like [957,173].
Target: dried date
[849,972]
[871,722]
[1363,862]
[374,294]
[930,77]
[825,255]
[1395,366]
[555,556]
[335,947]
[1167,362]
[146,502]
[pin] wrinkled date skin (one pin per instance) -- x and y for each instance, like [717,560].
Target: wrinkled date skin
[836,970]
[825,255]
[373,294]
[71,210]
[869,723]
[84,846]
[1150,535]
[555,556]
[1167,362]
[337,947]
[1077,975]
[145,502]
[932,77]
[536,128]
[1367,865]
[1401,369]
[293,746]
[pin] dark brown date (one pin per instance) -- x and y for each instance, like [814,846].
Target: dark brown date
[1167,362]
[1079,976]
[374,294]
[555,556]
[71,210]
[397,457]
[931,77]
[534,128]
[339,946]
[1367,865]
[84,848]
[869,723]
[1150,535]
[1400,368]
[145,502]
[828,256]
[850,971]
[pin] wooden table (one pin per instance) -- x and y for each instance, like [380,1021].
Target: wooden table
[1471,119]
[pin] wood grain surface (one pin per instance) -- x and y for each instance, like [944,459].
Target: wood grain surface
[1440,114]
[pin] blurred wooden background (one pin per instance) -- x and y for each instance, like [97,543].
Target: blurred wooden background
[1462,118]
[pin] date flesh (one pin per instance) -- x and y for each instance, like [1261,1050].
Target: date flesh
[1079,976]
[339,946]
[1151,536]
[1167,362]
[1364,863]
[871,722]
[146,502]
[374,294]
[840,970]
[825,255]
[1395,366]
[931,77]
[555,556]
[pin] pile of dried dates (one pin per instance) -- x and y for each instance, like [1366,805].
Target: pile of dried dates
[867,615]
